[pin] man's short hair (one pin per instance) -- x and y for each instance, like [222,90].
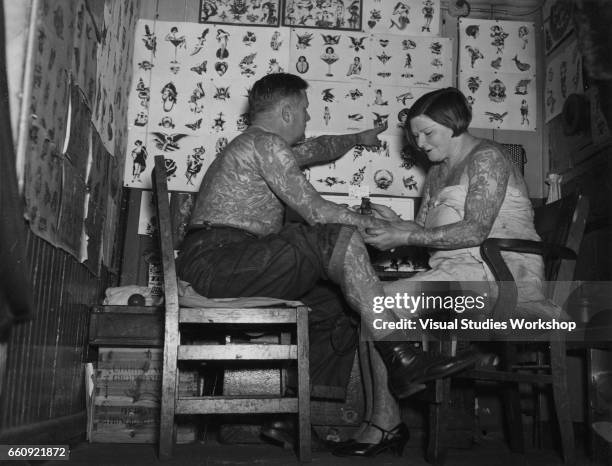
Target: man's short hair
[271,89]
[448,106]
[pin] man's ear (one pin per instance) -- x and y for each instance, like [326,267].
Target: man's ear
[286,113]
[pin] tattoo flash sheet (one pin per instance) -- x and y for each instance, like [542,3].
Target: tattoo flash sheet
[245,12]
[348,174]
[411,61]
[186,158]
[394,172]
[563,77]
[501,101]
[402,17]
[388,170]
[329,14]
[557,15]
[337,107]
[497,73]
[189,93]
[390,104]
[43,183]
[325,55]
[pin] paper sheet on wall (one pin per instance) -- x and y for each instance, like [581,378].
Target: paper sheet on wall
[195,101]
[411,61]
[72,210]
[51,73]
[114,74]
[323,55]
[84,58]
[563,77]
[337,107]
[403,17]
[391,174]
[557,22]
[497,73]
[332,14]
[43,183]
[77,150]
[388,171]
[97,209]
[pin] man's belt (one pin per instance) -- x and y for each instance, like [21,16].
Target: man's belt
[215,226]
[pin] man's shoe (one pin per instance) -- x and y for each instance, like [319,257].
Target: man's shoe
[281,431]
[461,361]
[408,366]
[285,432]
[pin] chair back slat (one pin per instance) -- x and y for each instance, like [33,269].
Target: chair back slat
[164,230]
[562,222]
[171,322]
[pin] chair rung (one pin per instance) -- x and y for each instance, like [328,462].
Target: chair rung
[236,405]
[236,352]
[531,367]
[238,316]
[501,376]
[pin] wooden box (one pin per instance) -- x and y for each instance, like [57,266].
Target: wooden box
[124,397]
[132,326]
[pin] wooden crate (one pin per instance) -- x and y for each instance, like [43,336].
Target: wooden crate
[124,394]
[130,358]
[127,326]
[134,424]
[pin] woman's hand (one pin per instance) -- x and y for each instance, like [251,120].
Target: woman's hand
[385,213]
[392,236]
[380,211]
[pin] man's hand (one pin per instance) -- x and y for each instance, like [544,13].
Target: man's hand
[369,137]
[392,236]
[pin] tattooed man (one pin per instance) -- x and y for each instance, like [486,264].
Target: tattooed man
[237,245]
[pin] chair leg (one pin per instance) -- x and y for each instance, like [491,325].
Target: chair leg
[168,402]
[511,402]
[438,417]
[169,386]
[561,397]
[304,430]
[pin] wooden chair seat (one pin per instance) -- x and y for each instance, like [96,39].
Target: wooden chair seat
[295,317]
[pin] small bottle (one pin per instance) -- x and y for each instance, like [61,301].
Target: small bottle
[366,207]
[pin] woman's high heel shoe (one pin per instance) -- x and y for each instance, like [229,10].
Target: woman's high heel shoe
[394,440]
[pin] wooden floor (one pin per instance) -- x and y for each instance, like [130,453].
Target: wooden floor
[490,452]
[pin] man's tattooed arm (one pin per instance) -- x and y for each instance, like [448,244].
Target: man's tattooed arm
[285,179]
[329,148]
[323,149]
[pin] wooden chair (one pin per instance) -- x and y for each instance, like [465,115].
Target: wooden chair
[174,350]
[561,227]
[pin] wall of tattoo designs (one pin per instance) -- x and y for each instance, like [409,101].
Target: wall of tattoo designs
[365,61]
[497,73]
[563,77]
[77,133]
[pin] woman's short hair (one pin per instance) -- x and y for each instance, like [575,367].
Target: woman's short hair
[271,89]
[447,106]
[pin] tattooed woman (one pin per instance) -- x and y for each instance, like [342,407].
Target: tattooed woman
[472,191]
[237,245]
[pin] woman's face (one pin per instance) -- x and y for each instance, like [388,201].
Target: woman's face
[434,139]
